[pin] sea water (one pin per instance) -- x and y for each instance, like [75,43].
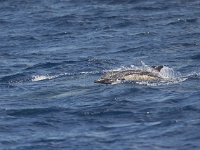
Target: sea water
[52,51]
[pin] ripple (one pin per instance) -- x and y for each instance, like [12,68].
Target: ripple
[16,78]
[49,65]
[181,21]
[196,57]
[33,111]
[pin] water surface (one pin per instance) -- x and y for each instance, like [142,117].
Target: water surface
[51,52]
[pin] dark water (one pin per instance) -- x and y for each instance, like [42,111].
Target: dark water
[51,51]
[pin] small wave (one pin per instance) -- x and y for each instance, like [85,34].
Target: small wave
[196,57]
[15,78]
[53,64]
[89,72]
[33,111]
[42,77]
[182,20]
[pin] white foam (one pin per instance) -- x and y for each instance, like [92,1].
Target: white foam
[89,72]
[42,77]
[116,82]
[193,74]
[169,73]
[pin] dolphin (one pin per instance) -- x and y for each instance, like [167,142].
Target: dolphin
[131,75]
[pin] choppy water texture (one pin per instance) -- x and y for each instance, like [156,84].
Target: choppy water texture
[51,51]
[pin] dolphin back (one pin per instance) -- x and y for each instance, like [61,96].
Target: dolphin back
[127,75]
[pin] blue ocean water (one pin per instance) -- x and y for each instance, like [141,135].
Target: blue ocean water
[51,51]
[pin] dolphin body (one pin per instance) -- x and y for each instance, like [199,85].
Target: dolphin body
[130,75]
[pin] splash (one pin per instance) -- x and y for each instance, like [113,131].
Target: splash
[169,73]
[169,76]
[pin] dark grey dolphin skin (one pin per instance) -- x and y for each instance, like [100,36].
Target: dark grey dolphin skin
[129,75]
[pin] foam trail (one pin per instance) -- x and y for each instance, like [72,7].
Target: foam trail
[193,75]
[48,77]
